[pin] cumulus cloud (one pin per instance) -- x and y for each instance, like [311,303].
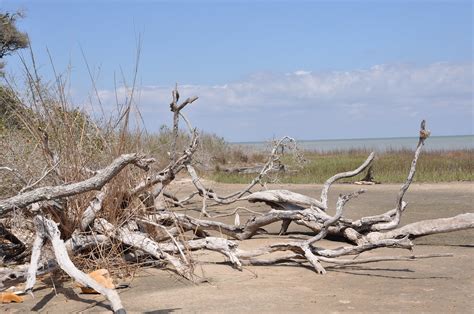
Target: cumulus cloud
[401,90]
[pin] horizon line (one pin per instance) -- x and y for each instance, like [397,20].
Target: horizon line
[349,139]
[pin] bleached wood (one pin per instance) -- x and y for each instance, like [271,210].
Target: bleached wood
[20,272]
[285,197]
[167,175]
[47,228]
[251,227]
[80,242]
[426,227]
[400,205]
[94,183]
[236,196]
[35,257]
[142,242]
[94,207]
[348,174]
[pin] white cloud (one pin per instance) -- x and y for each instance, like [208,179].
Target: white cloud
[406,90]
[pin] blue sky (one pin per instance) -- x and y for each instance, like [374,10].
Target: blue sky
[311,70]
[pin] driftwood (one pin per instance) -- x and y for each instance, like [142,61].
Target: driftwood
[153,231]
[47,230]
[253,170]
[273,159]
[56,192]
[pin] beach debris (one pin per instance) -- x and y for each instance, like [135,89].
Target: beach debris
[126,211]
[102,276]
[9,297]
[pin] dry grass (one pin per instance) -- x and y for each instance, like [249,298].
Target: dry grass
[389,167]
[53,142]
[46,140]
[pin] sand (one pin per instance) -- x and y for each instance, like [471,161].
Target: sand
[430,285]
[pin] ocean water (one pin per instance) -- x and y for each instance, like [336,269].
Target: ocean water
[375,144]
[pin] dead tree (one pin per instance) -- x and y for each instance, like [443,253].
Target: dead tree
[156,232]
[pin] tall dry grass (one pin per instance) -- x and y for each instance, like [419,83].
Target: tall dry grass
[389,167]
[55,141]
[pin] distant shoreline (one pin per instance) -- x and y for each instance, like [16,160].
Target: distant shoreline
[359,139]
[434,143]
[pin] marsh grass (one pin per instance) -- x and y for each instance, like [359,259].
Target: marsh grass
[389,167]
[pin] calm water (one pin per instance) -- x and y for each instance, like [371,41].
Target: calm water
[376,144]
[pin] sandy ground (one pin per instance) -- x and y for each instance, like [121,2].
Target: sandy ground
[430,285]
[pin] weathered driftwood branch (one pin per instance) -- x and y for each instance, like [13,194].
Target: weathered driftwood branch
[236,196]
[252,169]
[221,245]
[359,230]
[247,230]
[144,243]
[348,174]
[80,242]
[94,183]
[304,249]
[175,108]
[47,229]
[354,231]
[20,272]
[166,175]
[94,207]
[426,227]
[305,246]
[284,199]
[411,174]
[40,239]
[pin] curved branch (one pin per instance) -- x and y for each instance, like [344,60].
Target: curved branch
[424,134]
[348,174]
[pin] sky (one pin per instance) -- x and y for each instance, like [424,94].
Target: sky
[265,69]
